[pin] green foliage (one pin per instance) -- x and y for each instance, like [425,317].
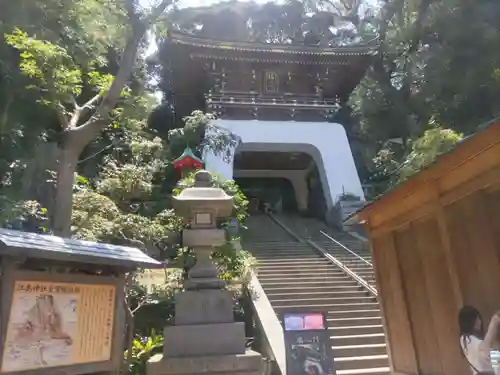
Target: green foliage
[55,54]
[55,74]
[22,212]
[426,149]
[143,348]
[430,65]
[200,131]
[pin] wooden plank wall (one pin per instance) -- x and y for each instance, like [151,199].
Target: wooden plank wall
[417,279]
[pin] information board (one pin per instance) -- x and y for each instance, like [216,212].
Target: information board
[307,344]
[58,324]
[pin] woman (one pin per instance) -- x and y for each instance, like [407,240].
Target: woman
[475,344]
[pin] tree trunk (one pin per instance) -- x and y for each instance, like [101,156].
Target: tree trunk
[37,182]
[63,202]
[76,136]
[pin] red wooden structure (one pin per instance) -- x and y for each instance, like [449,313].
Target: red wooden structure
[187,161]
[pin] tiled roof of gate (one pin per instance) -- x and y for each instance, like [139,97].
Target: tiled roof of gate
[195,41]
[41,246]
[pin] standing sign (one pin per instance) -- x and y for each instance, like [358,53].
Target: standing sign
[57,324]
[307,344]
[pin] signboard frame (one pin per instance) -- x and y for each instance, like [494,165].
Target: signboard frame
[301,343]
[9,279]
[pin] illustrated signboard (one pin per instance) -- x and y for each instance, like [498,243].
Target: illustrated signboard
[307,343]
[58,324]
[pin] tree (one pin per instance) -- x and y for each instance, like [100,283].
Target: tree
[60,79]
[427,149]
[435,141]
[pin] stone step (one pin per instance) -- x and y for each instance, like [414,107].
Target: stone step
[278,245]
[312,277]
[297,267]
[302,275]
[298,253]
[346,255]
[367,339]
[367,371]
[357,262]
[270,257]
[353,246]
[352,292]
[332,245]
[312,259]
[360,269]
[329,307]
[353,263]
[270,242]
[359,313]
[281,247]
[362,272]
[293,262]
[307,271]
[361,362]
[323,268]
[282,253]
[356,330]
[319,301]
[363,349]
[350,257]
[290,244]
[370,320]
[314,284]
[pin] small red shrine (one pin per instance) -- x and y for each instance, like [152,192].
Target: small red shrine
[187,161]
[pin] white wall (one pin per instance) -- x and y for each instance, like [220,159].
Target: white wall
[296,177]
[326,142]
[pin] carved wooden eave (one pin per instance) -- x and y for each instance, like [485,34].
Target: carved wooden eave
[278,102]
[203,48]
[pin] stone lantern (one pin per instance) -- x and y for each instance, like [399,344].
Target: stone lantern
[202,205]
[205,338]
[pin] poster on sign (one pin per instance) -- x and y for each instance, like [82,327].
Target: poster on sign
[307,343]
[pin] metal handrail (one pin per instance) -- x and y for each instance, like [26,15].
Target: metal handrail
[346,248]
[360,280]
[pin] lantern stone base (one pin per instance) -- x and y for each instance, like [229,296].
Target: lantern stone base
[203,283]
[207,307]
[249,363]
[204,339]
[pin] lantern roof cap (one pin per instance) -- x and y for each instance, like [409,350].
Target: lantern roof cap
[203,189]
[203,196]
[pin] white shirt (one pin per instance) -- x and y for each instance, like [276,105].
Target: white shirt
[477,353]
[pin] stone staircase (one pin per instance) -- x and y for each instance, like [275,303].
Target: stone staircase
[297,277]
[310,229]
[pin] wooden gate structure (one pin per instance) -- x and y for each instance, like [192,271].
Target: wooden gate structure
[436,246]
